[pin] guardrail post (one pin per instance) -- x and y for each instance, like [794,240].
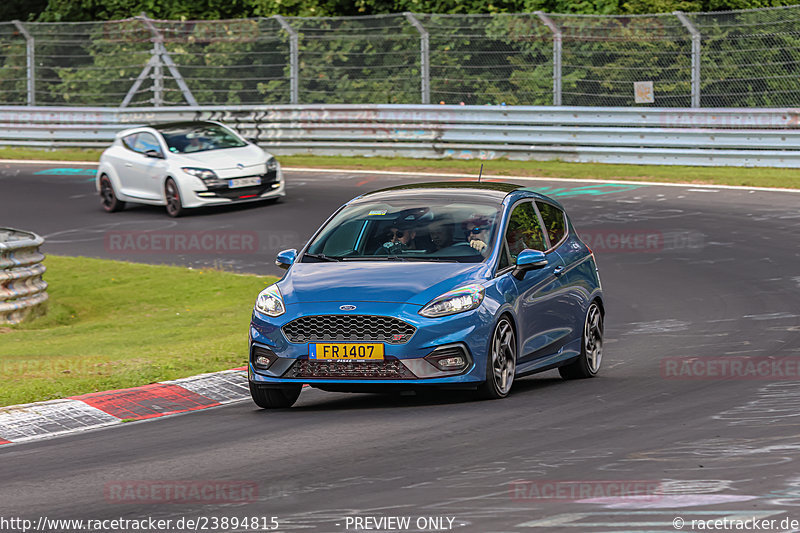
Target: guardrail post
[424,57]
[31,65]
[557,39]
[158,77]
[23,292]
[162,57]
[696,43]
[294,59]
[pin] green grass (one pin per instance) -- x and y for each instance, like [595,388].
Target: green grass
[54,154]
[112,324]
[748,177]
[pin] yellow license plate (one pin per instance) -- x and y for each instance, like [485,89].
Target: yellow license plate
[346,352]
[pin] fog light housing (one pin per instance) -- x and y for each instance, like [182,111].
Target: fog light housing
[262,358]
[449,358]
[451,363]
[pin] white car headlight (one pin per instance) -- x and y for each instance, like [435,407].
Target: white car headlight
[202,173]
[270,302]
[455,301]
[272,164]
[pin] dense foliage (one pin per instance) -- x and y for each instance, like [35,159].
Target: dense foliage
[84,10]
[748,58]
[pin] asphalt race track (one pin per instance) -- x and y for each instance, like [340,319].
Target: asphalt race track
[704,275]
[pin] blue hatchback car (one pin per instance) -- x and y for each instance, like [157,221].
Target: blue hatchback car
[449,285]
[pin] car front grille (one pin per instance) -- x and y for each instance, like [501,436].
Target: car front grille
[240,191]
[387,369]
[267,180]
[348,328]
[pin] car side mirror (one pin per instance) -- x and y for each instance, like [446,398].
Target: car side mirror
[155,154]
[253,140]
[529,260]
[286,258]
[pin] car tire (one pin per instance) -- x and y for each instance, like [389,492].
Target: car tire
[173,197]
[501,361]
[273,398]
[108,197]
[587,364]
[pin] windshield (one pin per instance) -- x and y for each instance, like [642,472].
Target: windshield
[439,230]
[191,138]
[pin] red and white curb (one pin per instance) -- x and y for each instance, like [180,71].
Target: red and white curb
[33,421]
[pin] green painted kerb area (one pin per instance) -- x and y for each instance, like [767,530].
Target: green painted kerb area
[600,189]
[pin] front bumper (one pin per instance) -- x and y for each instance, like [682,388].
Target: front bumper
[403,364]
[224,195]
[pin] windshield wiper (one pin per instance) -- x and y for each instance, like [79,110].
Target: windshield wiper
[322,257]
[430,259]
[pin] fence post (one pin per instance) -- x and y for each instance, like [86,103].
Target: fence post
[695,55]
[162,57]
[547,21]
[294,59]
[31,65]
[424,57]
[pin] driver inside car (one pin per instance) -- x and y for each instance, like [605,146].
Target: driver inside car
[441,234]
[194,143]
[399,238]
[478,229]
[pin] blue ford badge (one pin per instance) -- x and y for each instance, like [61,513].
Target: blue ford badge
[347,307]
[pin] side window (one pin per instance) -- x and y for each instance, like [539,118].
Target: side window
[553,219]
[524,230]
[130,141]
[146,141]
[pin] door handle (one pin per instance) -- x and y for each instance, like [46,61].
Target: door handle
[128,164]
[558,271]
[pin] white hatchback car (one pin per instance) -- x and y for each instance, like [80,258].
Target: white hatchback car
[185,164]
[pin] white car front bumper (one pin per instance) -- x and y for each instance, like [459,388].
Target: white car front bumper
[226,196]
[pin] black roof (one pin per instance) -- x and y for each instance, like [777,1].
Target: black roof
[181,124]
[494,190]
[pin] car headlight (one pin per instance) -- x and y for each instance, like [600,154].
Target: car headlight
[270,302]
[272,164]
[455,301]
[202,173]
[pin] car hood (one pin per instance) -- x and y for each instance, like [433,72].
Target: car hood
[366,281]
[226,158]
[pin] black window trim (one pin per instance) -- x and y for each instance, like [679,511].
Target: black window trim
[155,134]
[125,145]
[544,227]
[545,234]
[502,236]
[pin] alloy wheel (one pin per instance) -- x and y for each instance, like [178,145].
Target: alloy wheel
[593,338]
[504,357]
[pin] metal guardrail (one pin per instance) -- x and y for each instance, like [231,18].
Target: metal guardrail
[22,290]
[686,136]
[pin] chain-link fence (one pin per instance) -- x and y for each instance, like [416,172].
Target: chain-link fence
[732,59]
